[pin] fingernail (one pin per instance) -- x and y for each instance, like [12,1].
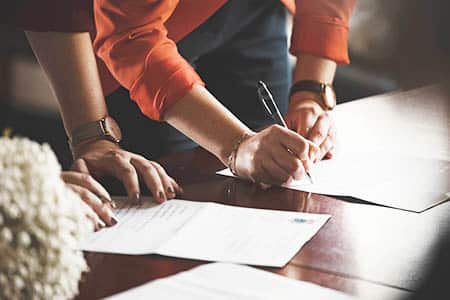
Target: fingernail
[136,197]
[101,223]
[180,190]
[161,195]
[307,165]
[108,200]
[114,220]
[170,190]
[113,204]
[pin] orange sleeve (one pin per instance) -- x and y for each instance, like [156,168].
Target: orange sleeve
[320,28]
[132,41]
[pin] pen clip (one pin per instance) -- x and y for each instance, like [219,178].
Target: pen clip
[262,95]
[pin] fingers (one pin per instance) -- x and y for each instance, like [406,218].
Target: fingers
[92,216]
[288,162]
[151,178]
[305,124]
[178,189]
[276,155]
[330,154]
[323,134]
[274,173]
[319,131]
[292,141]
[125,166]
[327,147]
[126,172]
[80,165]
[170,186]
[88,182]
[102,210]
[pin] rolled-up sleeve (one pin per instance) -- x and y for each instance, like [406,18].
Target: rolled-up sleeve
[132,41]
[321,27]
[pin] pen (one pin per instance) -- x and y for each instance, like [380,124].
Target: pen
[269,104]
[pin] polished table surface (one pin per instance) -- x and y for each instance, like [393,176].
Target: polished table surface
[370,251]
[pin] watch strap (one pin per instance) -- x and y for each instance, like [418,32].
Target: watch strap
[308,85]
[87,132]
[318,88]
[105,128]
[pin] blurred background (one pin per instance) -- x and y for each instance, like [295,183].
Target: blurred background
[393,45]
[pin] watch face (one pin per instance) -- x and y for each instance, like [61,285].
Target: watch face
[329,97]
[113,129]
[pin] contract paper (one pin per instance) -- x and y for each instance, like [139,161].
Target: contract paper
[223,281]
[208,231]
[413,184]
[392,150]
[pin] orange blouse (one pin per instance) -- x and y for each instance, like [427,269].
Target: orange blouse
[136,39]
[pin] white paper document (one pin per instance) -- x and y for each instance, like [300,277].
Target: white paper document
[208,231]
[408,183]
[223,281]
[389,152]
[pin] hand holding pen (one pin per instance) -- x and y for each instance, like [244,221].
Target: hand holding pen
[264,156]
[271,107]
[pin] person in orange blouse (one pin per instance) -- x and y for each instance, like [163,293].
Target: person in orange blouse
[194,65]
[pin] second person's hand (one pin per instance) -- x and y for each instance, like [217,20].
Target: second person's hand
[104,158]
[97,203]
[307,118]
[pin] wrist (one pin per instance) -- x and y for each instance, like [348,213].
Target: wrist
[310,67]
[104,129]
[93,145]
[232,156]
[305,100]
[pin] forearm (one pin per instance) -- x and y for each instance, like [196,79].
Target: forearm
[311,67]
[201,117]
[70,65]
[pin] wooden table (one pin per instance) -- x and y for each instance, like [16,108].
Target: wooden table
[365,250]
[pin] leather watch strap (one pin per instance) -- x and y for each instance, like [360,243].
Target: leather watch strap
[87,132]
[307,85]
[106,128]
[325,92]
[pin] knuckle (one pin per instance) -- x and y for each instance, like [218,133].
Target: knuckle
[275,128]
[127,169]
[77,162]
[84,194]
[86,178]
[149,169]
[309,110]
[115,154]
[157,166]
[291,166]
[295,165]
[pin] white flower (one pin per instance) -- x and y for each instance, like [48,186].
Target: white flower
[41,224]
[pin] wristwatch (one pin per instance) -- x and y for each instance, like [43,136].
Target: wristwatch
[327,96]
[106,129]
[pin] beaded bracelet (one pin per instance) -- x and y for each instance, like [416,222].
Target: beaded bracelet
[233,154]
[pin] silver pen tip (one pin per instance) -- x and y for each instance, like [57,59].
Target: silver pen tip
[309,177]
